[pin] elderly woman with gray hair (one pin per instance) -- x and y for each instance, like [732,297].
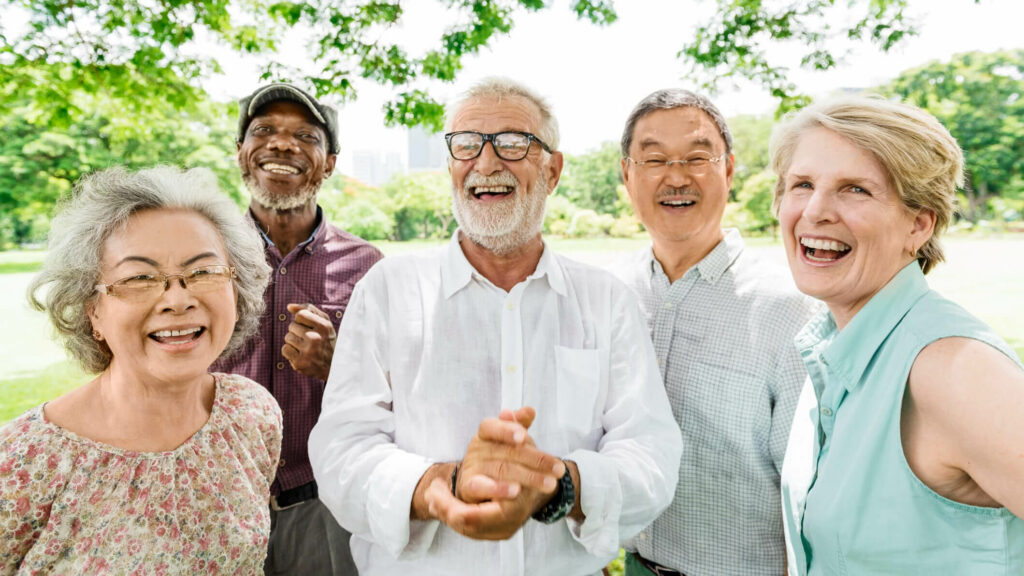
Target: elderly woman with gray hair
[155,465]
[906,454]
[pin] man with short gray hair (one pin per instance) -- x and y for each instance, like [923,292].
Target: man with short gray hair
[723,324]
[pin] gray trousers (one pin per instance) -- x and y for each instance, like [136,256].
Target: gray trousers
[305,540]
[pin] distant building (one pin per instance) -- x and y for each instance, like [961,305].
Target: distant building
[426,151]
[376,168]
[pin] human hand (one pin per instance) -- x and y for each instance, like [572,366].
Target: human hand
[502,459]
[309,343]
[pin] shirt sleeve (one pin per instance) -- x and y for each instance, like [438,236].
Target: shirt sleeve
[787,380]
[364,478]
[24,509]
[631,477]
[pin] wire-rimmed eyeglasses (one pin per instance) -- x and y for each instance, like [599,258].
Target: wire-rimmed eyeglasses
[509,145]
[147,286]
[696,164]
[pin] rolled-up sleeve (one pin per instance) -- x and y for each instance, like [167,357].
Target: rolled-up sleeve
[365,480]
[631,477]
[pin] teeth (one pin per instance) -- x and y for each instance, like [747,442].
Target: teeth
[279,168]
[818,244]
[677,202]
[173,333]
[492,190]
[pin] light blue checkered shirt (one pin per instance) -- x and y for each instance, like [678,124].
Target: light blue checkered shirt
[723,334]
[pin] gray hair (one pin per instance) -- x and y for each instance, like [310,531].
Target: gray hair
[670,99]
[103,203]
[498,88]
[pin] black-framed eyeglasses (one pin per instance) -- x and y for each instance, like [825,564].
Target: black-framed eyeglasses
[696,164]
[510,145]
[146,286]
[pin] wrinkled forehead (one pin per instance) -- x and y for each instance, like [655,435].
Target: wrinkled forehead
[495,114]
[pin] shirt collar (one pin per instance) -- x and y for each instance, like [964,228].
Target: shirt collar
[712,266]
[457,272]
[853,348]
[315,240]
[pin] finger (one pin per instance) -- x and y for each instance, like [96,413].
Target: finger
[525,416]
[290,353]
[478,488]
[502,431]
[310,321]
[473,520]
[509,472]
[296,341]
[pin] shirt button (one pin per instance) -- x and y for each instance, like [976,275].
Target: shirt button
[284,270]
[643,535]
[668,306]
[511,368]
[281,463]
[510,306]
[338,314]
[282,317]
[280,365]
[309,249]
[826,411]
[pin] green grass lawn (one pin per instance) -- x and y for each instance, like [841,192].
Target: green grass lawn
[980,274]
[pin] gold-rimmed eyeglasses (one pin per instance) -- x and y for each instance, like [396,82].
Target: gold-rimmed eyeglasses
[696,164]
[147,286]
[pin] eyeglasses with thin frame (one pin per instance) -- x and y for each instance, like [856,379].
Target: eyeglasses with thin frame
[696,164]
[509,145]
[147,286]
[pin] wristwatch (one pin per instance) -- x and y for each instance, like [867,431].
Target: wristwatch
[561,502]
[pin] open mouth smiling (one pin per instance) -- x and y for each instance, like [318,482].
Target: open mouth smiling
[490,191]
[824,251]
[677,202]
[279,168]
[177,336]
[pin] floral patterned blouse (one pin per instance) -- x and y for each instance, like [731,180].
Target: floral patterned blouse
[70,505]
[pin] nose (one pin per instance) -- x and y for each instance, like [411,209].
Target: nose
[281,140]
[820,206]
[488,162]
[677,175]
[176,295]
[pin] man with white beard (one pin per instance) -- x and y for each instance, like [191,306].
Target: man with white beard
[287,146]
[500,410]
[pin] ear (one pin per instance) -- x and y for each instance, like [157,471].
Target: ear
[554,170]
[623,167]
[921,231]
[329,167]
[730,167]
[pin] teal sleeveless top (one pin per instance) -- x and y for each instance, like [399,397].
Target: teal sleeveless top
[851,504]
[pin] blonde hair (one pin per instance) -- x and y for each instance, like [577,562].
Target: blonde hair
[922,159]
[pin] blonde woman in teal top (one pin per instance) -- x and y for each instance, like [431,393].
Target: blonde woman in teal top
[906,454]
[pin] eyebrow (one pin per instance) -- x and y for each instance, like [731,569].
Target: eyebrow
[697,142]
[156,264]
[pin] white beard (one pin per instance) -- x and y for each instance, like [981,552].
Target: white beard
[276,202]
[504,226]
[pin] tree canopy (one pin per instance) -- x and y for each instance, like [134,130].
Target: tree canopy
[128,50]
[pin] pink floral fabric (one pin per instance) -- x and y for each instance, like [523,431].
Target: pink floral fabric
[70,505]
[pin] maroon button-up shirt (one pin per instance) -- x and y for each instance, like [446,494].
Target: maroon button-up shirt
[321,271]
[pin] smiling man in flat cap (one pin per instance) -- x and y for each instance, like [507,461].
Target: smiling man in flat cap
[287,147]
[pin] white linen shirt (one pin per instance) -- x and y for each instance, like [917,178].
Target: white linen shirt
[428,348]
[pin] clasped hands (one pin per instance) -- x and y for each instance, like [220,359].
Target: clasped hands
[502,481]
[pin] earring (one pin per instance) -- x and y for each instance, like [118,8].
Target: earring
[96,335]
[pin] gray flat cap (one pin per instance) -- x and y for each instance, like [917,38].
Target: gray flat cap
[326,115]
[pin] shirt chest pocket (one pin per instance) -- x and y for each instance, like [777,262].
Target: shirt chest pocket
[578,378]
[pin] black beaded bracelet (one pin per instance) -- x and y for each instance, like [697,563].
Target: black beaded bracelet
[455,478]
